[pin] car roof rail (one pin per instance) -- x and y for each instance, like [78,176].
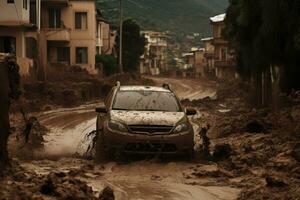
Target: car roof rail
[166,86]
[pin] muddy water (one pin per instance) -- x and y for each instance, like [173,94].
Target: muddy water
[140,180]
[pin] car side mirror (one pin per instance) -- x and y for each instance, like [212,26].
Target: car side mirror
[190,111]
[101,109]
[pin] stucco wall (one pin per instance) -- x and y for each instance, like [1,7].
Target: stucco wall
[78,38]
[14,12]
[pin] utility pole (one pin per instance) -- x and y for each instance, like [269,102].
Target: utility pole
[121,39]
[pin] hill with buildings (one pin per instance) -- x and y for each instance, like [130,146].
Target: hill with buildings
[179,16]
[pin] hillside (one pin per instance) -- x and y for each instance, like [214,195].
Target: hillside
[180,16]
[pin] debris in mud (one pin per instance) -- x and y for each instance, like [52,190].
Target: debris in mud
[63,187]
[107,194]
[205,141]
[22,184]
[273,181]
[222,151]
[296,152]
[211,171]
[255,127]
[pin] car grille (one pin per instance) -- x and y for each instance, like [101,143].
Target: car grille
[150,147]
[150,129]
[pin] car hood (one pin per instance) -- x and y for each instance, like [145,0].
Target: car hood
[147,117]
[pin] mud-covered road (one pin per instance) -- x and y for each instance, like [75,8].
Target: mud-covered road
[146,179]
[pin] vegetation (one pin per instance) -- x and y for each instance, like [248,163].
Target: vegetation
[266,37]
[174,15]
[109,64]
[133,45]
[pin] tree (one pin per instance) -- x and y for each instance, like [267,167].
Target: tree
[108,62]
[9,89]
[133,45]
[265,35]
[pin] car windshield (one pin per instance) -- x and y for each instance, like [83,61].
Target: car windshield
[146,101]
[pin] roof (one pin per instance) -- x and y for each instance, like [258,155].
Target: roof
[197,49]
[187,54]
[146,88]
[218,18]
[207,39]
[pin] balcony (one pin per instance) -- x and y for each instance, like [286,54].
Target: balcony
[224,63]
[58,34]
[209,54]
[55,2]
[219,41]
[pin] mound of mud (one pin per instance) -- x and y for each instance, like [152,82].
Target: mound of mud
[70,89]
[22,184]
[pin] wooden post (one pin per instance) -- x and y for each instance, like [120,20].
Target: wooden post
[4,109]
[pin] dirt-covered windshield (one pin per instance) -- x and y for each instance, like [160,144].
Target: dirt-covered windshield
[146,101]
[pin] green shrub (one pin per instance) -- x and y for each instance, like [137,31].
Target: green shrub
[108,62]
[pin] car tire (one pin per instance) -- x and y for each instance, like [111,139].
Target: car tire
[190,154]
[101,146]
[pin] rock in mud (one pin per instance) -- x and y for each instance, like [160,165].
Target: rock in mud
[296,152]
[222,151]
[273,181]
[107,194]
[60,186]
[255,126]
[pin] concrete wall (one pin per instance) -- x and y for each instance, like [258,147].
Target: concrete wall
[15,13]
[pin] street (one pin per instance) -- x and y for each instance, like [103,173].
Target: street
[144,179]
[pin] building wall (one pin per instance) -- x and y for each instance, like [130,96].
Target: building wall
[106,38]
[78,38]
[11,13]
[199,63]
[217,29]
[19,35]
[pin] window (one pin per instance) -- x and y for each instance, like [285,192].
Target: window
[25,4]
[8,45]
[63,54]
[81,55]
[224,54]
[10,1]
[31,47]
[54,18]
[81,20]
[32,13]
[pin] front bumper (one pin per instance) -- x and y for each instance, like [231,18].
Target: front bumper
[149,144]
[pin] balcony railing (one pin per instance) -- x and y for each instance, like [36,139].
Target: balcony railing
[55,2]
[57,34]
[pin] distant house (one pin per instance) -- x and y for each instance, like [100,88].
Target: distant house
[154,59]
[105,36]
[14,24]
[224,59]
[199,62]
[209,50]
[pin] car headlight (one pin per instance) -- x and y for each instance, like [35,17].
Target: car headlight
[184,127]
[116,126]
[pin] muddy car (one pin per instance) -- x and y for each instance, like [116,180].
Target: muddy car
[143,120]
